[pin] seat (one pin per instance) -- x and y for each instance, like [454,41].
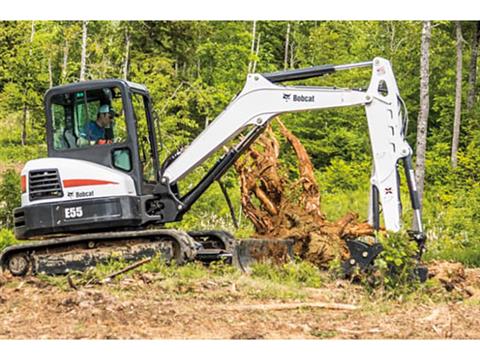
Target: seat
[70,138]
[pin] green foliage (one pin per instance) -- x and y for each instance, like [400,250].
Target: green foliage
[396,263]
[14,154]
[7,238]
[452,205]
[10,192]
[341,176]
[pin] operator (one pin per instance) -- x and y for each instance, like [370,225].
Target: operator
[94,131]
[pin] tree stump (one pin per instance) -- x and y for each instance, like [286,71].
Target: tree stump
[281,207]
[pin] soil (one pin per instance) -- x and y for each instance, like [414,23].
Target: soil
[141,306]
[147,306]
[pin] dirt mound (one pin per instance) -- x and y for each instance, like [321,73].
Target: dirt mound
[451,275]
[282,205]
[455,277]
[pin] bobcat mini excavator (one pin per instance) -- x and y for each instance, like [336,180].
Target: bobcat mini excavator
[94,197]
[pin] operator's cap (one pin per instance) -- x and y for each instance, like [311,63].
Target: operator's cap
[106,109]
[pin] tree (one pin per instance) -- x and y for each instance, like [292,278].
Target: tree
[126,62]
[287,44]
[252,48]
[422,122]
[69,60]
[472,74]
[257,50]
[458,95]
[83,61]
[26,111]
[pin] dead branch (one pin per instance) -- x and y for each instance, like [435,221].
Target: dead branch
[291,306]
[124,270]
[71,283]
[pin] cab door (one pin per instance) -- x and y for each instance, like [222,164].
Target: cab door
[147,149]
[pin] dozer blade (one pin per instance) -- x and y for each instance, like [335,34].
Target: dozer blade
[250,251]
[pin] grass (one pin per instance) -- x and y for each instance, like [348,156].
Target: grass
[323,334]
[298,274]
[453,232]
[221,283]
[285,282]
[337,204]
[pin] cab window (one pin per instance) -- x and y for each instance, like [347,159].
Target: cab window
[88,118]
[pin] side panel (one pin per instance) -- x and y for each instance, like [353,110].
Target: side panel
[78,216]
[78,179]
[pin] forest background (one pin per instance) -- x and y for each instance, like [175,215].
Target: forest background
[194,68]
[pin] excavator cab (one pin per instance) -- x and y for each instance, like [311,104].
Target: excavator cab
[125,141]
[102,164]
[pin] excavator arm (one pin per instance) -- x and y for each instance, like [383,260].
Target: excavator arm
[263,98]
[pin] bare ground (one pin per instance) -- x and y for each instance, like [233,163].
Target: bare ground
[148,306]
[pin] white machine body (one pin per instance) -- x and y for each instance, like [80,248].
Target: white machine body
[79,179]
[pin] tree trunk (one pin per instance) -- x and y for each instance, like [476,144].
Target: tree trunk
[292,55]
[50,74]
[287,44]
[25,112]
[472,74]
[252,47]
[422,122]
[229,202]
[254,68]
[65,61]
[127,55]
[458,96]
[24,123]
[83,61]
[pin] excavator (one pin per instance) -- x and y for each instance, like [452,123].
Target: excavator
[102,191]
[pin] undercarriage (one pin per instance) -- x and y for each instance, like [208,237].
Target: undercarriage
[79,252]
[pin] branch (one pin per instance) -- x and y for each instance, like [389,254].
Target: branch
[292,306]
[128,268]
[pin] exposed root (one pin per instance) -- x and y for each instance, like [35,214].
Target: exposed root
[284,206]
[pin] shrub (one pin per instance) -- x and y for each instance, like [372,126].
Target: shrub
[10,191]
[396,263]
[6,238]
[342,176]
